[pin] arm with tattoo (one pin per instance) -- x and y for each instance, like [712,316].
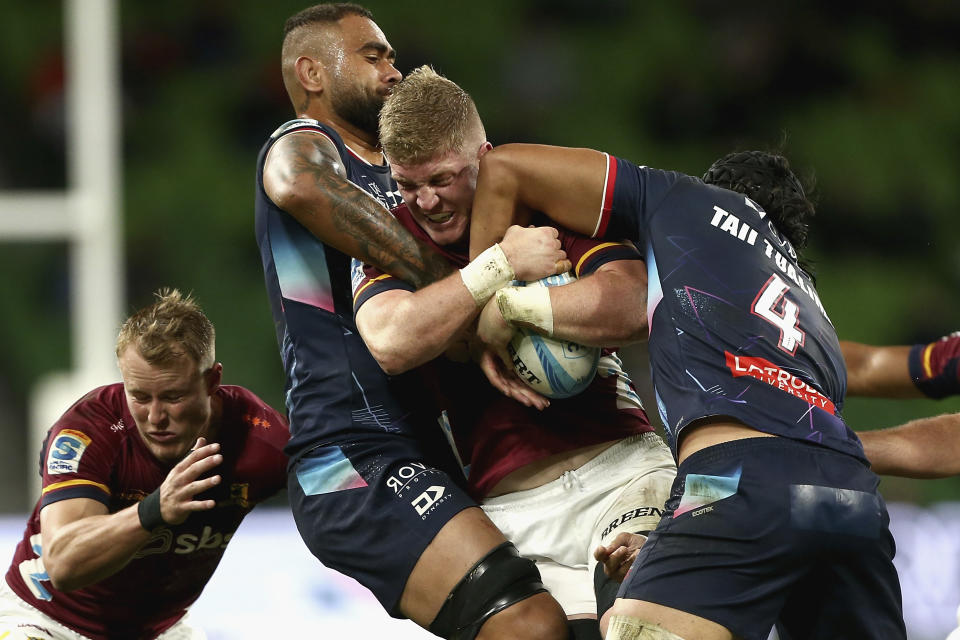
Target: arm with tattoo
[305,177]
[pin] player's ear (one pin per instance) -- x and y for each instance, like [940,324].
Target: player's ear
[310,74]
[486,146]
[213,375]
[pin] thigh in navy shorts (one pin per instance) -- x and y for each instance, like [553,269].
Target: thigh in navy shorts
[768,529]
[368,508]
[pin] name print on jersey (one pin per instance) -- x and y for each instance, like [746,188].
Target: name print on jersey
[726,221]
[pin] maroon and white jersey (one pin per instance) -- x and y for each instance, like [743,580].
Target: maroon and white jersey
[496,435]
[95,451]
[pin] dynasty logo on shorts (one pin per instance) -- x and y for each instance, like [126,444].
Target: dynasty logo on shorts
[66,451]
[411,480]
[428,498]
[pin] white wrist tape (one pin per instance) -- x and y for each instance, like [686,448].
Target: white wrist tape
[486,273]
[529,306]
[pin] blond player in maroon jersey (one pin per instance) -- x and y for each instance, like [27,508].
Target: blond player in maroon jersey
[144,484]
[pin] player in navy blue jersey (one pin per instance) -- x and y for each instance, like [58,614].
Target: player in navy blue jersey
[375,489]
[137,508]
[775,513]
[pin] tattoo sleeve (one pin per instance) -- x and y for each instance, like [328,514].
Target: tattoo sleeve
[344,216]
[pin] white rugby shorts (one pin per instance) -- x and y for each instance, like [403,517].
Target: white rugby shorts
[559,524]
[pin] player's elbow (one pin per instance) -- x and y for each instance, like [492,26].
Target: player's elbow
[624,330]
[634,329]
[289,195]
[393,366]
[63,575]
[392,360]
[620,304]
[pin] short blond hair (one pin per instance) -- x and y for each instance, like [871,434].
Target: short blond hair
[425,116]
[172,327]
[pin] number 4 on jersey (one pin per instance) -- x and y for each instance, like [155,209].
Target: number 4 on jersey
[772,305]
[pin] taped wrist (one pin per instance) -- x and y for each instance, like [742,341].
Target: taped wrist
[486,273]
[628,627]
[149,511]
[935,367]
[527,306]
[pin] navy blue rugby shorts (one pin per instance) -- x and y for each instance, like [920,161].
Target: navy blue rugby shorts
[768,530]
[369,508]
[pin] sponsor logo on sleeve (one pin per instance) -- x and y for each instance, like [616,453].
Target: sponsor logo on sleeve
[357,275]
[66,451]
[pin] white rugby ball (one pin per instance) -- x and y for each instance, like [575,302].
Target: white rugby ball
[554,368]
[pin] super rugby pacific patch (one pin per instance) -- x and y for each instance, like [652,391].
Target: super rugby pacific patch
[66,451]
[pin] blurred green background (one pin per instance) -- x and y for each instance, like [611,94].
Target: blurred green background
[863,97]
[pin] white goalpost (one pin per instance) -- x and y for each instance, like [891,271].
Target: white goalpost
[86,215]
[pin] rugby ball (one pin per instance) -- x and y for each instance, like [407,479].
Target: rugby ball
[554,368]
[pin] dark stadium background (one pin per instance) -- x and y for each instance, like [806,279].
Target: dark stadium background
[862,97]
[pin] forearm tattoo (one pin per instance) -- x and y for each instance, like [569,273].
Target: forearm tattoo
[361,226]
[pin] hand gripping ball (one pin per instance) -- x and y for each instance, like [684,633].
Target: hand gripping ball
[554,368]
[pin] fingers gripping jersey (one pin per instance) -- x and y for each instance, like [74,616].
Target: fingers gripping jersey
[736,326]
[95,451]
[334,388]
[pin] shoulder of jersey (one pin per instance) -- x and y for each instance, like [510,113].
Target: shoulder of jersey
[262,420]
[101,410]
[298,123]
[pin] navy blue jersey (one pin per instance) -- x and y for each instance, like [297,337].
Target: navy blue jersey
[736,326]
[335,390]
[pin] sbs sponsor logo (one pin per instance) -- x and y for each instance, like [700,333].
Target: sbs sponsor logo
[163,541]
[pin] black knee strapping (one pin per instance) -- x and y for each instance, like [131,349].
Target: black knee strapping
[584,629]
[605,589]
[501,578]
